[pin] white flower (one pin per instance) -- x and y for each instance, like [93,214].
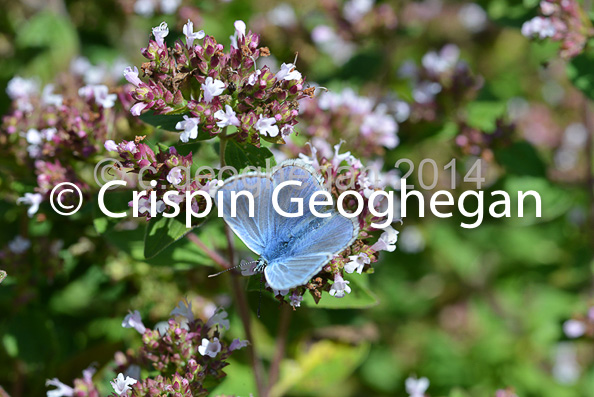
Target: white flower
[144,206]
[100,93]
[33,200]
[146,8]
[133,320]
[19,245]
[212,88]
[169,7]
[160,32]
[19,87]
[33,136]
[539,26]
[287,129]
[175,176]
[339,158]
[228,117]
[191,35]
[574,328]
[121,385]
[49,133]
[387,241]
[237,344]
[416,387]
[208,348]
[438,63]
[253,78]
[357,263]
[266,126]
[61,391]
[110,146]
[49,98]
[184,309]
[288,72]
[354,10]
[295,300]
[473,17]
[425,91]
[131,75]
[282,15]
[190,128]
[240,29]
[220,317]
[138,108]
[340,287]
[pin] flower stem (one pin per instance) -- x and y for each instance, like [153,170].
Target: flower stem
[239,292]
[281,341]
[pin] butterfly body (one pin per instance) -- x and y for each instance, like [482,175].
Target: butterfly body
[291,249]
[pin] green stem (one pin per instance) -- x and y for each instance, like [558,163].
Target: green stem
[239,292]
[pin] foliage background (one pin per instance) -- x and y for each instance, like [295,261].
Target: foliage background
[472,310]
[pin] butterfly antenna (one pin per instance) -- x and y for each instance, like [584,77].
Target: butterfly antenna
[260,298]
[231,268]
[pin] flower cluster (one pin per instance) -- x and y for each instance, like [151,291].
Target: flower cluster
[441,75]
[55,129]
[474,142]
[563,21]
[187,353]
[82,386]
[217,89]
[343,171]
[163,171]
[367,127]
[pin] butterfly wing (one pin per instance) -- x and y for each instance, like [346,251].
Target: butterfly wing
[301,246]
[312,246]
[253,231]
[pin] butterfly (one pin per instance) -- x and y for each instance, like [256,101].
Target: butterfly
[291,249]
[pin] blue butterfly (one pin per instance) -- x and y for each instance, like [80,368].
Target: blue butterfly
[291,249]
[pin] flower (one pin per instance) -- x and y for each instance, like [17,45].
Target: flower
[208,348]
[237,344]
[354,10]
[212,88]
[131,75]
[340,287]
[416,387]
[110,146]
[253,78]
[19,245]
[357,263]
[220,318]
[191,35]
[539,26]
[240,29]
[133,320]
[266,126]
[145,8]
[288,72]
[160,32]
[121,385]
[61,391]
[175,176]
[184,309]
[19,87]
[33,200]
[169,6]
[226,118]
[49,98]
[387,241]
[574,328]
[295,299]
[190,128]
[136,109]
[100,93]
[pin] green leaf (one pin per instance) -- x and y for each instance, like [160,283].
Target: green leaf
[360,297]
[483,114]
[240,156]
[581,73]
[161,121]
[162,232]
[521,159]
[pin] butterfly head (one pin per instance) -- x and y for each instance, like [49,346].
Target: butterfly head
[262,263]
